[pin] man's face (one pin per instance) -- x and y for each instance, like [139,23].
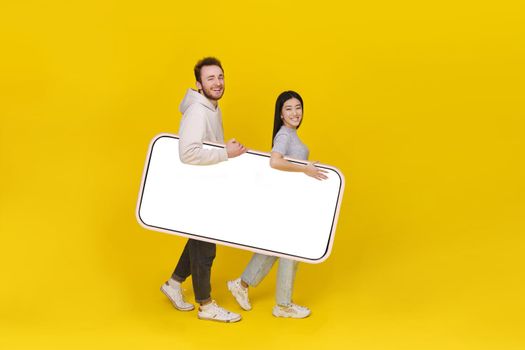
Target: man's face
[212,82]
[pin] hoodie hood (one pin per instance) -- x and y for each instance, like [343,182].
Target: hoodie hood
[193,97]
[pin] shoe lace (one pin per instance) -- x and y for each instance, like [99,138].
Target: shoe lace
[178,293]
[241,290]
[218,310]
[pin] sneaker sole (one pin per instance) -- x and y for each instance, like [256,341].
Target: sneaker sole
[217,320]
[242,307]
[290,316]
[173,301]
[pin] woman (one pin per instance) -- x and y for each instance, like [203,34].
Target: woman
[286,143]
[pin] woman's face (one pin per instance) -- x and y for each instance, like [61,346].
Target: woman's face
[292,113]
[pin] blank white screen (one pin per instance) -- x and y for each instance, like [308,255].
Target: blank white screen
[241,202]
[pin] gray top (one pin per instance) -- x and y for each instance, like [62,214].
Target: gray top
[288,144]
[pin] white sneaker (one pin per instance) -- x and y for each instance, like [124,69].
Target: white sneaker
[240,293]
[214,312]
[174,294]
[292,310]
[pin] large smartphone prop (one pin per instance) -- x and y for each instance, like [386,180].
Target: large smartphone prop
[241,202]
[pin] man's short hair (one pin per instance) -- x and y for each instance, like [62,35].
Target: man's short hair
[206,61]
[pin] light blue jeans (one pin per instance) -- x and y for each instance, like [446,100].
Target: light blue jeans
[260,265]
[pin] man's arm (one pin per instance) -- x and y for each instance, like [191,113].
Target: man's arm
[192,133]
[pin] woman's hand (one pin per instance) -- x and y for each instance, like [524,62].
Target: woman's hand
[315,172]
[277,161]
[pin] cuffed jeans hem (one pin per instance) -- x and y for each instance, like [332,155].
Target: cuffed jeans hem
[177,278]
[204,301]
[285,304]
[247,282]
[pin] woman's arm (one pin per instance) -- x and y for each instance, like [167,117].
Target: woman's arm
[277,161]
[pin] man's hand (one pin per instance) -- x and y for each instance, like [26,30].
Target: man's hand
[234,148]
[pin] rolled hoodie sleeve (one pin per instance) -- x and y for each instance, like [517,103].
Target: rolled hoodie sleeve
[192,134]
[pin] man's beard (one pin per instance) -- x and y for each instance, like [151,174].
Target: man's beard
[208,96]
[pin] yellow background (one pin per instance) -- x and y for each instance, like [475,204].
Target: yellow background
[420,104]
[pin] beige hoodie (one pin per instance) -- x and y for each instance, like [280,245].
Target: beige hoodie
[201,121]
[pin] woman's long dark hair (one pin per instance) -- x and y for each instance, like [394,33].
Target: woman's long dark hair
[283,97]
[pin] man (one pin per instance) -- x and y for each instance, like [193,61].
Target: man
[201,121]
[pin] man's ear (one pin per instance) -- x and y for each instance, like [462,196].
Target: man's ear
[198,85]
